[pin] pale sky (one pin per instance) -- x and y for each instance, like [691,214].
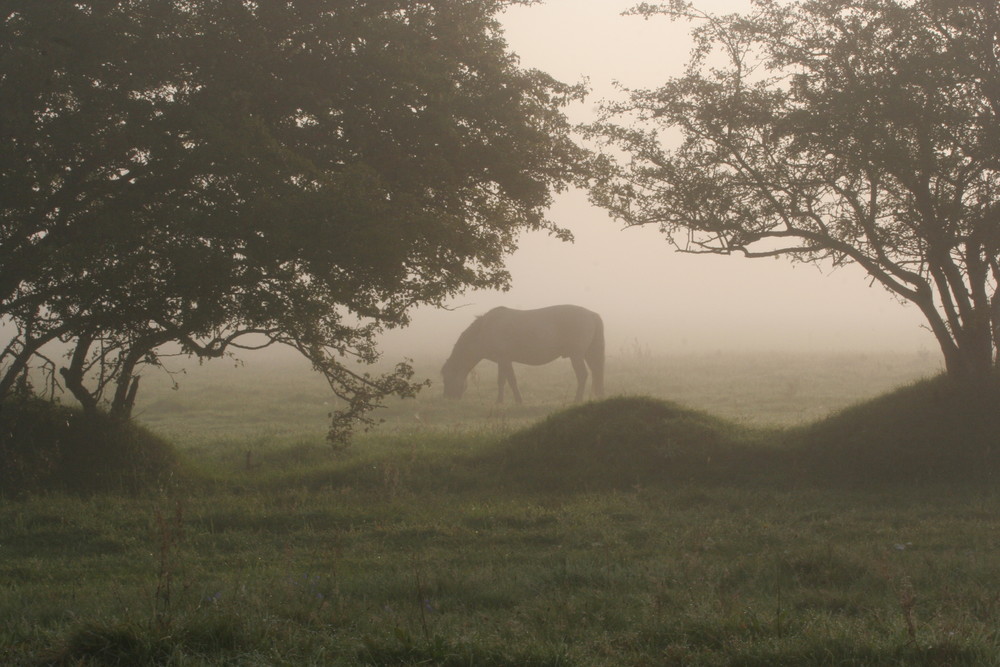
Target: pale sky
[647,293]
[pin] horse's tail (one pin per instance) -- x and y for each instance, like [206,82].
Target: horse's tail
[595,357]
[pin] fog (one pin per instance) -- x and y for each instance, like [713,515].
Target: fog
[650,296]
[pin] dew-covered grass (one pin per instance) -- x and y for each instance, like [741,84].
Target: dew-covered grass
[634,531]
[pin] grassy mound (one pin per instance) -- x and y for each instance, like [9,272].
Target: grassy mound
[623,442]
[931,431]
[46,447]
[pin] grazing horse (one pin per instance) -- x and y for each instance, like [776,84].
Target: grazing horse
[533,337]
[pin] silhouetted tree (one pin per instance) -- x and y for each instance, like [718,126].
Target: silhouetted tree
[221,175]
[838,131]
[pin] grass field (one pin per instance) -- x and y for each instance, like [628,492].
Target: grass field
[283,398]
[629,532]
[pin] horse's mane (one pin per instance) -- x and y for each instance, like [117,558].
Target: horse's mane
[470,331]
[466,341]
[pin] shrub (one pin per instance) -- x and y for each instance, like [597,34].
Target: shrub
[45,446]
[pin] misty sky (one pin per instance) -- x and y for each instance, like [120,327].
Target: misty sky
[648,294]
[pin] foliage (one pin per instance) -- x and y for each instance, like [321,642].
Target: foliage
[220,176]
[831,131]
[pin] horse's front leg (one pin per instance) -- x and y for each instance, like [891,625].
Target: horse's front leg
[506,375]
[501,380]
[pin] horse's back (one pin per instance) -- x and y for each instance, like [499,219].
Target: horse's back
[541,335]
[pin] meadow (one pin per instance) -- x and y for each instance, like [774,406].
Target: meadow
[669,530]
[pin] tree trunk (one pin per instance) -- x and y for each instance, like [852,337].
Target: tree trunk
[73,376]
[19,362]
[17,367]
[127,383]
[970,360]
[995,325]
[121,408]
[968,349]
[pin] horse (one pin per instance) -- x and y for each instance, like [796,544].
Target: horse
[533,337]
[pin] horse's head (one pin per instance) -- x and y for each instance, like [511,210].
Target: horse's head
[454,380]
[464,356]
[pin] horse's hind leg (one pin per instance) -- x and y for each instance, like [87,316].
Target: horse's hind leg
[595,361]
[580,368]
[597,370]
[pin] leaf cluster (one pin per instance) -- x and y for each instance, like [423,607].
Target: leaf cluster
[832,131]
[197,172]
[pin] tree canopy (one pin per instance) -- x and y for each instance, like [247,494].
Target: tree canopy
[220,175]
[834,131]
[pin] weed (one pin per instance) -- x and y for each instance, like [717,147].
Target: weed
[907,604]
[169,533]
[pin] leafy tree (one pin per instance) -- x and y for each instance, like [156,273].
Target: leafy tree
[218,175]
[837,131]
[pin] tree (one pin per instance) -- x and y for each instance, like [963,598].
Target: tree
[837,131]
[221,175]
